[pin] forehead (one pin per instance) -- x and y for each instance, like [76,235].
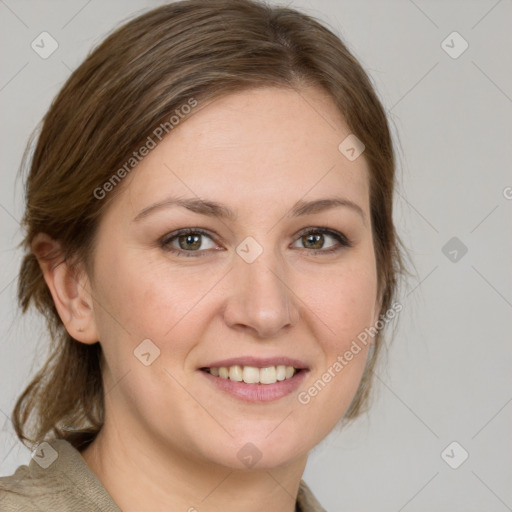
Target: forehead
[254,146]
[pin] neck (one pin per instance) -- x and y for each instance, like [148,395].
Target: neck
[140,475]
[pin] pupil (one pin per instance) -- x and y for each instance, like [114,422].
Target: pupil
[192,239]
[319,244]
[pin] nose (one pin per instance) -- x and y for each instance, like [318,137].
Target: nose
[261,299]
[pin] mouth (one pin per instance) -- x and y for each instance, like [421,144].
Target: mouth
[265,382]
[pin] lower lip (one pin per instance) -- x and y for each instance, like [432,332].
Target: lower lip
[257,392]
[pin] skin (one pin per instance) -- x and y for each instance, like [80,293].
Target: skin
[170,439]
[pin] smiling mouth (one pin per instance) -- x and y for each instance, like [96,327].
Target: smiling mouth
[252,374]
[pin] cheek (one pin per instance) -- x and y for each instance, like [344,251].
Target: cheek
[346,303]
[141,297]
[139,300]
[346,309]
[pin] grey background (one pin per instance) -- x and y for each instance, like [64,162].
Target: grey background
[448,373]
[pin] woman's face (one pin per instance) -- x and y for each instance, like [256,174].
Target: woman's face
[264,287]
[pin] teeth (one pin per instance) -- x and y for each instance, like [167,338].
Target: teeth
[269,375]
[235,373]
[253,375]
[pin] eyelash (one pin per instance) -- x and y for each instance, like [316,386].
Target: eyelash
[343,241]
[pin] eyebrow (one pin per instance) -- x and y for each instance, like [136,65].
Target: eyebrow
[218,210]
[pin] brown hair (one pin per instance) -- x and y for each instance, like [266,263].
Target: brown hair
[130,84]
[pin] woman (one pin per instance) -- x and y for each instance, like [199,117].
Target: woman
[210,236]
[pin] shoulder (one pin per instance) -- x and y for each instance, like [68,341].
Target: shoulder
[57,479]
[14,494]
[25,491]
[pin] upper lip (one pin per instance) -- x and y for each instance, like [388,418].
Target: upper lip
[258,362]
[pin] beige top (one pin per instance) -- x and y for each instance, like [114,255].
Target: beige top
[58,479]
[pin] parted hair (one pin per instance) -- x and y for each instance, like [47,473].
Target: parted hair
[128,85]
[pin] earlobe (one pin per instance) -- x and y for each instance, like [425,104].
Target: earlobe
[69,287]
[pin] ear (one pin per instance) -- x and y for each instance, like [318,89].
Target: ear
[70,289]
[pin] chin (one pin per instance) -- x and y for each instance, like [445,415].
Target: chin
[255,452]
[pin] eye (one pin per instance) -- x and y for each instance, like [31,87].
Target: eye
[189,240]
[314,240]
